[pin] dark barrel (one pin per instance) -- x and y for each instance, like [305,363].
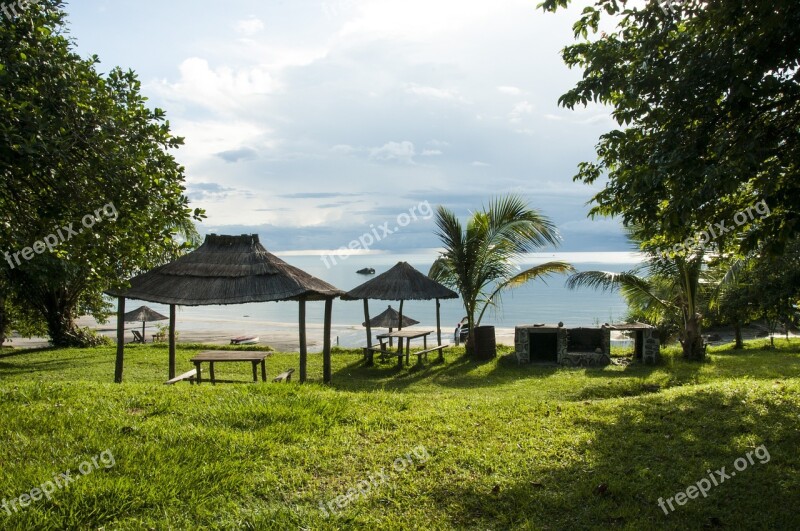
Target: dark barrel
[485,345]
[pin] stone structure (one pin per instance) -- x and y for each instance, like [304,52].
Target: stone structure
[556,344]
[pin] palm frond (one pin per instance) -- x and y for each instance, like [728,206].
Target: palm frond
[512,281]
[629,282]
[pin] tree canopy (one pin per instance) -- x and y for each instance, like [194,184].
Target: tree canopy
[79,149]
[707,97]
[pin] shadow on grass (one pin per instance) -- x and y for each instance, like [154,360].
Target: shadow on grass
[654,448]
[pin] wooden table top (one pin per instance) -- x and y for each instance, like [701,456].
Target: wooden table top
[408,333]
[230,355]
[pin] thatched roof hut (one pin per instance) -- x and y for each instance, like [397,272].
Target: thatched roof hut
[401,282]
[229,270]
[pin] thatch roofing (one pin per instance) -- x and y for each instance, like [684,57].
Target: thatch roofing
[389,319]
[227,270]
[143,313]
[631,326]
[401,282]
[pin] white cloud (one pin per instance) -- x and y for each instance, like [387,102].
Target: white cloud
[511,91]
[520,110]
[394,151]
[480,164]
[438,143]
[432,92]
[343,149]
[431,152]
[250,26]
[217,89]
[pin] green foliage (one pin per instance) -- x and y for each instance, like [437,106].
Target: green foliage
[480,261]
[670,293]
[707,97]
[509,447]
[76,143]
[765,287]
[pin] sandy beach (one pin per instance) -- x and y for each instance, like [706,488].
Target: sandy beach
[283,337]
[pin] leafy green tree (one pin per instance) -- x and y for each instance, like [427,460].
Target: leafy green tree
[665,291]
[77,146]
[707,97]
[479,260]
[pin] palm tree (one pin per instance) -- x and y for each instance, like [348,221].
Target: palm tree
[664,289]
[480,261]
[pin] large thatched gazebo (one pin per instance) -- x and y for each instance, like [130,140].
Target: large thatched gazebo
[228,270]
[402,282]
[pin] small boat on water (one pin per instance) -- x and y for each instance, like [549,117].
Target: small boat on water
[366,271]
[245,340]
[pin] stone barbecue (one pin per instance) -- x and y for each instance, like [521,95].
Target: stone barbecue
[543,343]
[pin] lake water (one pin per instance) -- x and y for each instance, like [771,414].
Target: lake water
[536,302]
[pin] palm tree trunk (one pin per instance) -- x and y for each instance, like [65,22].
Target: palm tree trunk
[692,340]
[737,328]
[469,346]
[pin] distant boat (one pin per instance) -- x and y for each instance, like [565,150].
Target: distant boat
[366,271]
[245,340]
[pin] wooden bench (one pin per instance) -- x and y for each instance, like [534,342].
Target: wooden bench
[284,376]
[369,353]
[421,353]
[188,375]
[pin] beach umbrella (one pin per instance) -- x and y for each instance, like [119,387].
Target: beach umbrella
[144,314]
[402,282]
[390,318]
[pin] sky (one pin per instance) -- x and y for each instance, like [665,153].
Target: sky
[315,123]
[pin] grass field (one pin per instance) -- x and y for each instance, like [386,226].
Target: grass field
[459,445]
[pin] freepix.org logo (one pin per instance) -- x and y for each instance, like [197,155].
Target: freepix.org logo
[12,10]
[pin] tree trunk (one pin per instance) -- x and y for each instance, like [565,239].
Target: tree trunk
[60,325]
[3,320]
[737,328]
[692,340]
[469,345]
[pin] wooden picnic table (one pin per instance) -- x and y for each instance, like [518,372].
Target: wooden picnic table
[220,356]
[408,334]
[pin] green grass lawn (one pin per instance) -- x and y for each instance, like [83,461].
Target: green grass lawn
[459,445]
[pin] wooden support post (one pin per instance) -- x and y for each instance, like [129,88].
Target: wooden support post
[120,340]
[400,327]
[303,341]
[438,323]
[439,330]
[171,341]
[326,343]
[366,319]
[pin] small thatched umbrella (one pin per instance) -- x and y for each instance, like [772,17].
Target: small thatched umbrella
[390,319]
[402,282]
[144,314]
[228,270]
